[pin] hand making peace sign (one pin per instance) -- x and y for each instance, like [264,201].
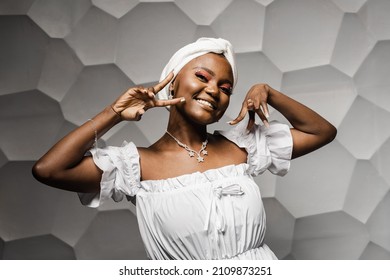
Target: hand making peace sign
[131,105]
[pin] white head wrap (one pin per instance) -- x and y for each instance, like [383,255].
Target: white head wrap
[193,50]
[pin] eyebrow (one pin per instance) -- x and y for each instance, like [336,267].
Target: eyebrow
[211,72]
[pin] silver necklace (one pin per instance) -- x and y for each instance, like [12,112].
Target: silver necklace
[202,152]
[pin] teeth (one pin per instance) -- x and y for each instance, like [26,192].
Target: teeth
[205,103]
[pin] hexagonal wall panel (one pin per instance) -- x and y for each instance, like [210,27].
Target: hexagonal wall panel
[204,31]
[372,79]
[71,219]
[203,12]
[95,88]
[379,224]
[1,248]
[280,228]
[359,134]
[94,37]
[142,55]
[11,7]
[44,247]
[29,121]
[316,184]
[58,17]
[245,39]
[353,44]
[301,34]
[23,44]
[324,89]
[375,14]
[264,2]
[349,6]
[329,236]
[116,8]
[381,161]
[26,206]
[365,192]
[375,252]
[62,62]
[3,159]
[112,235]
[60,70]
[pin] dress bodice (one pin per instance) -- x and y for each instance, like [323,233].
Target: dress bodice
[216,214]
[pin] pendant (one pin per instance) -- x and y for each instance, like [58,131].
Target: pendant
[191,152]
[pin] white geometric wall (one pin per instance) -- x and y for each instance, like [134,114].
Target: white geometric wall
[62,61]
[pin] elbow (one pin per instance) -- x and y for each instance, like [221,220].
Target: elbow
[331,133]
[41,172]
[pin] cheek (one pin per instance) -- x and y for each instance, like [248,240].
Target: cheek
[185,87]
[225,99]
[224,105]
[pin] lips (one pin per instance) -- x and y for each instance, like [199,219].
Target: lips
[210,104]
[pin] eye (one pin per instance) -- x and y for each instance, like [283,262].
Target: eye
[227,90]
[201,76]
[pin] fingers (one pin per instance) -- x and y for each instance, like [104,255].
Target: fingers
[141,91]
[139,114]
[263,117]
[252,108]
[251,121]
[264,108]
[174,101]
[241,115]
[162,84]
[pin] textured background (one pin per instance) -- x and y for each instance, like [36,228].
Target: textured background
[62,61]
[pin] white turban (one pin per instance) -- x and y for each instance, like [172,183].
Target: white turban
[193,50]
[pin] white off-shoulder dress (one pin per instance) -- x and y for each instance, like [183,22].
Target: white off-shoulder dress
[216,214]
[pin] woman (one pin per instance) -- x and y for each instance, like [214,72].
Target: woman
[196,198]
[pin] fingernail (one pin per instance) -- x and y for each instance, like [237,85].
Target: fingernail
[229,122]
[182,100]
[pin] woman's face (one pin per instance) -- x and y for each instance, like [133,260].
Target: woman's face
[206,84]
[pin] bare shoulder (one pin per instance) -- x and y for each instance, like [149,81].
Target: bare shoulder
[155,162]
[161,161]
[228,149]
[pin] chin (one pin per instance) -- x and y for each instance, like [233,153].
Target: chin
[200,116]
[205,119]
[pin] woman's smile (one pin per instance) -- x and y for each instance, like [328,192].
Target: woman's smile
[208,104]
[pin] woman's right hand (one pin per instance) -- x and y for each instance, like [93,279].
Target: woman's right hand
[132,104]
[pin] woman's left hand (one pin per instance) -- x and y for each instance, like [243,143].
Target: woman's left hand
[255,102]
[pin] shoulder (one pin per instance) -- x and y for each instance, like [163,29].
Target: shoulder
[155,162]
[227,151]
[223,143]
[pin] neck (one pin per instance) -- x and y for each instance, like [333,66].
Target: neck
[188,132]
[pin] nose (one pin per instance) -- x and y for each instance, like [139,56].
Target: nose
[212,89]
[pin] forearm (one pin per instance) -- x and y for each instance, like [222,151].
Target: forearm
[310,130]
[300,116]
[70,150]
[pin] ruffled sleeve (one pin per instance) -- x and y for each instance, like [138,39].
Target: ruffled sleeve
[121,174]
[267,148]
